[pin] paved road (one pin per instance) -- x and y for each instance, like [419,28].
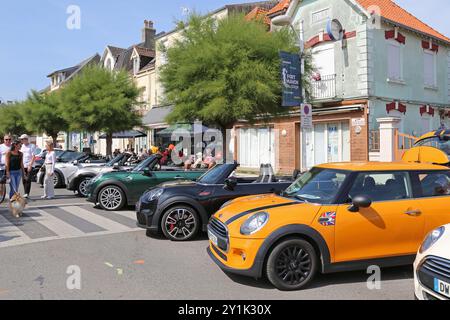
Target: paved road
[118,261]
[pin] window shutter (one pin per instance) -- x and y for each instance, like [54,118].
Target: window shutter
[428,72]
[394,62]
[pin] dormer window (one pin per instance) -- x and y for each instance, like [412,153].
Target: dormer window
[136,65]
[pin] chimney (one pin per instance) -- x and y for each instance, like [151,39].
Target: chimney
[148,35]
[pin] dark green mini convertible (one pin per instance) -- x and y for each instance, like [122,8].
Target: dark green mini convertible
[114,190]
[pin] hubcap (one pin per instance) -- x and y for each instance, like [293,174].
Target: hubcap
[111,198]
[55,179]
[180,224]
[83,187]
[293,265]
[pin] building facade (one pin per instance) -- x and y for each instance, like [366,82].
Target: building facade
[386,63]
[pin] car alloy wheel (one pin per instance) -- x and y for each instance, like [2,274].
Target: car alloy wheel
[82,187]
[111,198]
[292,265]
[57,180]
[180,223]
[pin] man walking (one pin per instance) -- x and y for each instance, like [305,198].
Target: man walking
[4,149]
[29,155]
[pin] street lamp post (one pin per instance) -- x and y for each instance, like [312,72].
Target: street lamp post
[284,21]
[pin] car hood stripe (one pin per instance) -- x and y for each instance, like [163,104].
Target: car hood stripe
[243,214]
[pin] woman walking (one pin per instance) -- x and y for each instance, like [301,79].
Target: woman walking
[14,168]
[50,160]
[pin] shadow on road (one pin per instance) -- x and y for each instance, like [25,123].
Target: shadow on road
[324,280]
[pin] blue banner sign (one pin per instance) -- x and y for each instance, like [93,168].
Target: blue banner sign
[291,79]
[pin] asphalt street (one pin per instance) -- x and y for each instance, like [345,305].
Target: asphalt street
[118,261]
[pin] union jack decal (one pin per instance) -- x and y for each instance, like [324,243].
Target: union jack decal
[328,219]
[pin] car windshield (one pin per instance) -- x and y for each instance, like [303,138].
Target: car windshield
[119,159]
[212,175]
[145,164]
[317,186]
[441,143]
[69,156]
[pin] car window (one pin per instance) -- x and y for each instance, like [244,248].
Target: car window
[386,186]
[317,186]
[435,184]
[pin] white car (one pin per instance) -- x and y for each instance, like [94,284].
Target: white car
[432,266]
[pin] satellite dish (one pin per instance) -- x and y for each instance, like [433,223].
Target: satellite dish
[335,30]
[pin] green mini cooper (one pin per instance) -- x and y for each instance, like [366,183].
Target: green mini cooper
[114,190]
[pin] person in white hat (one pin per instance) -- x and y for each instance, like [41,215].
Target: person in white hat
[29,155]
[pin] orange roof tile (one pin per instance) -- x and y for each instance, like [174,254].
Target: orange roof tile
[258,13]
[390,11]
[393,12]
[282,5]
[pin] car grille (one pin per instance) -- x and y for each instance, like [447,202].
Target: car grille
[142,220]
[218,228]
[221,232]
[438,266]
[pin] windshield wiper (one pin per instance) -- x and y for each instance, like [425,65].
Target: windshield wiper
[302,199]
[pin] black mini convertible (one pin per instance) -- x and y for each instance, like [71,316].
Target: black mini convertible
[180,209]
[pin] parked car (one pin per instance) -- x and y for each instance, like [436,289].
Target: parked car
[432,266]
[113,190]
[79,180]
[39,161]
[180,209]
[67,164]
[336,217]
[432,147]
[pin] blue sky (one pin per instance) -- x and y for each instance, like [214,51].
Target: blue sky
[34,39]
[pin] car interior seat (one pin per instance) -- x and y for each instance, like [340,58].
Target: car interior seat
[266,174]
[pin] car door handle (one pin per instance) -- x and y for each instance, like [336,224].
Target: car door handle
[413,213]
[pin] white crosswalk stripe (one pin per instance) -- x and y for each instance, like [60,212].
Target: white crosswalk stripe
[48,223]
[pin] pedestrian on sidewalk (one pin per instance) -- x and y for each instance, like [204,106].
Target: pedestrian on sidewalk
[29,156]
[14,168]
[50,161]
[4,149]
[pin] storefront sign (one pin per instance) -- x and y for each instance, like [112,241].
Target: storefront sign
[291,78]
[358,122]
[307,119]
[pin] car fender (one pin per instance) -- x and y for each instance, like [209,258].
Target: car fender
[112,183]
[295,230]
[182,200]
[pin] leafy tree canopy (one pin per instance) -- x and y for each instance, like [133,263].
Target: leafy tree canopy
[224,71]
[12,119]
[43,114]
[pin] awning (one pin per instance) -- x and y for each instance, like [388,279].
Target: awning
[191,128]
[157,116]
[126,135]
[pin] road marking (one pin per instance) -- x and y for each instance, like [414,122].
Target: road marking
[30,225]
[10,234]
[65,215]
[107,224]
[123,218]
[61,228]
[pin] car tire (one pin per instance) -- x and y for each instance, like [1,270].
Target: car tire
[81,189]
[292,265]
[57,180]
[111,198]
[180,223]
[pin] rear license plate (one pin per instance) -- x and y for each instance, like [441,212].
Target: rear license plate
[213,238]
[442,287]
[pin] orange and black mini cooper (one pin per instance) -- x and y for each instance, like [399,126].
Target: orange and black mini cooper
[336,217]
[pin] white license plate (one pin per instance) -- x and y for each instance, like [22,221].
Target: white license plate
[442,287]
[213,238]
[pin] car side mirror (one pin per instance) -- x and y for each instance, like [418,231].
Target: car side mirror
[75,162]
[230,184]
[147,172]
[358,202]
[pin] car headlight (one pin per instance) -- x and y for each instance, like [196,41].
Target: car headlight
[431,239]
[153,194]
[255,223]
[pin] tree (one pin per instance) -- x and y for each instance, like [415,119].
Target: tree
[12,119]
[101,100]
[43,114]
[226,71]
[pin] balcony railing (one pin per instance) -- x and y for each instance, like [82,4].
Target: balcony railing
[324,87]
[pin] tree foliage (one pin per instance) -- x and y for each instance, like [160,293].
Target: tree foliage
[224,71]
[43,114]
[12,119]
[101,100]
